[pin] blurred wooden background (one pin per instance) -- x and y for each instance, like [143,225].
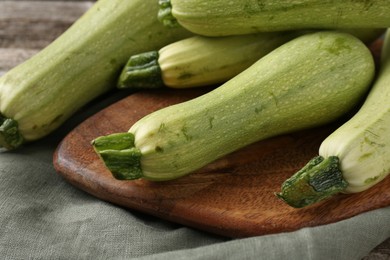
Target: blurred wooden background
[28,26]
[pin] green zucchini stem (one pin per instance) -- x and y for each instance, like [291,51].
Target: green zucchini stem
[10,137]
[141,71]
[119,155]
[319,179]
[165,14]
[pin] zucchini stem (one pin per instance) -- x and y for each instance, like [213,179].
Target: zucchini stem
[319,179]
[141,71]
[165,14]
[119,155]
[10,137]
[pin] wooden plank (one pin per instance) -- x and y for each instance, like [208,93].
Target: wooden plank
[28,26]
[10,57]
[33,25]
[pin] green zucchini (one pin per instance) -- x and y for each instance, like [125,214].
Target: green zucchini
[353,158]
[221,18]
[198,61]
[37,96]
[308,81]
[202,61]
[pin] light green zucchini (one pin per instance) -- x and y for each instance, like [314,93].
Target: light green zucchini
[39,95]
[198,61]
[306,82]
[353,158]
[221,18]
[201,61]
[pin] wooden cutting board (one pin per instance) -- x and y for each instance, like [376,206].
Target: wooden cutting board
[233,196]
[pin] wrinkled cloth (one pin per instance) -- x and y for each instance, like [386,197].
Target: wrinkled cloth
[44,217]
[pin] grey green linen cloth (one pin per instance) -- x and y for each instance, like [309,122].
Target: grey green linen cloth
[44,217]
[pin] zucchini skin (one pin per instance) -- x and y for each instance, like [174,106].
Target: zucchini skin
[361,146]
[83,63]
[306,82]
[219,18]
[201,61]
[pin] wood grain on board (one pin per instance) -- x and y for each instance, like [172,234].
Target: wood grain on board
[233,196]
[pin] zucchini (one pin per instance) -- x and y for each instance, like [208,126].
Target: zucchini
[221,18]
[308,81]
[198,61]
[356,156]
[37,96]
[202,61]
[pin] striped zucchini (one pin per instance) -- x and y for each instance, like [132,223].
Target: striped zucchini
[306,82]
[37,96]
[221,18]
[353,158]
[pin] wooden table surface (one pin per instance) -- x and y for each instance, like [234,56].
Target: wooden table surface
[28,26]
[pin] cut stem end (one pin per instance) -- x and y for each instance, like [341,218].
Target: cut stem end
[165,14]
[319,179]
[119,155]
[10,137]
[141,71]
